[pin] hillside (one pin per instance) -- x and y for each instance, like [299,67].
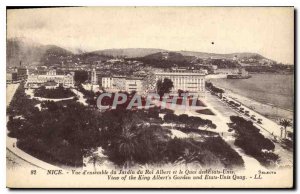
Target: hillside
[29,52]
[128,52]
[185,58]
[243,55]
[33,53]
[21,50]
[147,52]
[166,59]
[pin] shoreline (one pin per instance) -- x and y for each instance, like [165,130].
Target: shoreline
[276,90]
[268,110]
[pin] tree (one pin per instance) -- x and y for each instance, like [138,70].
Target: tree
[180,92]
[81,76]
[164,86]
[170,117]
[285,123]
[127,146]
[187,157]
[219,91]
[95,158]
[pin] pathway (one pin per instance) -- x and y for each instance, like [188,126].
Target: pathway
[266,128]
[80,96]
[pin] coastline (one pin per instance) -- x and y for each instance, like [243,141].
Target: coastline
[268,110]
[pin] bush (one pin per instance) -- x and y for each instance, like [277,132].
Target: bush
[192,122]
[59,92]
[213,152]
[287,144]
[249,138]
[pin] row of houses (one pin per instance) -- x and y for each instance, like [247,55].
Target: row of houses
[186,80]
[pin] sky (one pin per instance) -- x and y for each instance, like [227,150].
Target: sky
[267,31]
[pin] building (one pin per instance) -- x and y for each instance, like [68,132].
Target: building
[93,84]
[11,77]
[186,80]
[123,83]
[17,75]
[134,84]
[35,81]
[94,80]
[22,73]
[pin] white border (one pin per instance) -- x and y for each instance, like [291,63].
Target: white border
[5,3]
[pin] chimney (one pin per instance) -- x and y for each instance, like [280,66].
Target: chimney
[20,63]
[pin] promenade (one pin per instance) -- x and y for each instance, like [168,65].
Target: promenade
[267,124]
[269,110]
[268,128]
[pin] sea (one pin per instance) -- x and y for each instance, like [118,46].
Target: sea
[273,89]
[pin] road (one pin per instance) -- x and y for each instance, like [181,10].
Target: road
[268,128]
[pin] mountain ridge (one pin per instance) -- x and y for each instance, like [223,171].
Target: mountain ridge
[30,52]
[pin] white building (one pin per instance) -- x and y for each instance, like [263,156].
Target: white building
[191,81]
[122,83]
[35,81]
[134,84]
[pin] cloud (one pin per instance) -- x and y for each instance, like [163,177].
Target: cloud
[268,31]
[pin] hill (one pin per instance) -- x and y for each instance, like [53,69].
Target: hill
[22,50]
[128,52]
[29,52]
[151,53]
[243,55]
[166,59]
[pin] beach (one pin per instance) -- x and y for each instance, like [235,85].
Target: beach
[271,95]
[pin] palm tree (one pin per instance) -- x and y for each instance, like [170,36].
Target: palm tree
[187,157]
[95,158]
[127,145]
[285,123]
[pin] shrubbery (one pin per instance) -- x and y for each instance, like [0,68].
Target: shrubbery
[192,122]
[59,92]
[214,151]
[62,133]
[249,138]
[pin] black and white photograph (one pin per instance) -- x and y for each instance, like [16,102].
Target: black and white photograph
[150,97]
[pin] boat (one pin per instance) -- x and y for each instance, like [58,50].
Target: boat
[238,77]
[242,74]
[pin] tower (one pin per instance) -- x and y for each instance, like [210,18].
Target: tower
[94,77]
